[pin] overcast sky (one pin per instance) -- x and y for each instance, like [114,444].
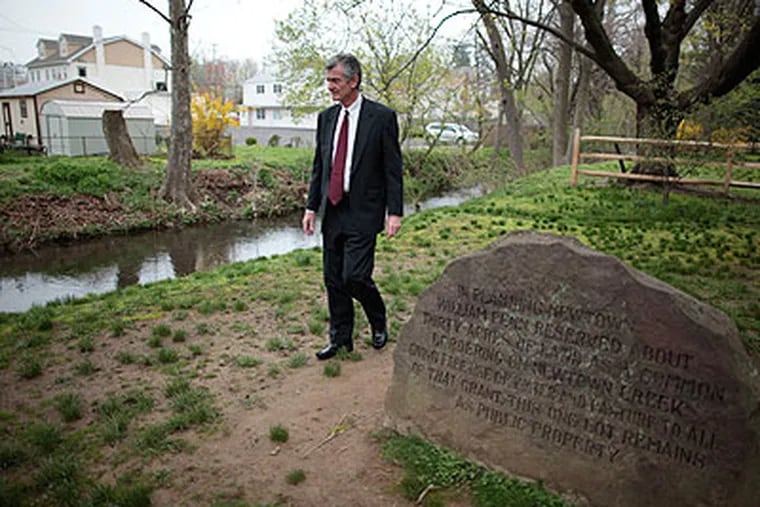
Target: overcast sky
[235,29]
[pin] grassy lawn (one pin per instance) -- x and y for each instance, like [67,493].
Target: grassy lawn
[264,316]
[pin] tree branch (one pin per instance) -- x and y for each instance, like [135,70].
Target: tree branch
[653,32]
[430,39]
[605,56]
[154,9]
[740,64]
[694,14]
[541,26]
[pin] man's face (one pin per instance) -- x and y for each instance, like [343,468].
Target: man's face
[341,89]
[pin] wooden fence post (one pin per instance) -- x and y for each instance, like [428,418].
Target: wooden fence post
[576,157]
[729,170]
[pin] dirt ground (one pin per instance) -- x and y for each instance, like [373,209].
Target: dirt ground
[331,422]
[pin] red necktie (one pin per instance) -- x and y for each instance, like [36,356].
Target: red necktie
[335,192]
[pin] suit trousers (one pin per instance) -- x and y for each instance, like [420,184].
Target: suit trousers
[348,262]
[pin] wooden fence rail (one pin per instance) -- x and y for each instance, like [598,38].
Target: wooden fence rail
[729,163]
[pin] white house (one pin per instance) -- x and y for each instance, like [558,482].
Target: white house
[263,113]
[130,68]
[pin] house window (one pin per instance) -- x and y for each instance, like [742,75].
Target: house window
[82,71]
[47,74]
[161,86]
[78,87]
[260,88]
[277,88]
[260,114]
[277,114]
[22,108]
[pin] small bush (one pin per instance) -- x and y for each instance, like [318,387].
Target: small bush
[161,331]
[251,141]
[274,140]
[332,369]
[86,344]
[247,361]
[30,366]
[297,360]
[295,477]
[126,357]
[278,433]
[85,368]
[180,335]
[44,437]
[168,356]
[69,406]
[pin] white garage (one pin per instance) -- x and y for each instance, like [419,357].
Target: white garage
[76,127]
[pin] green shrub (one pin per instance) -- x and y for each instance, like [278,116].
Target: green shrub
[30,366]
[274,140]
[278,433]
[332,369]
[69,406]
[250,141]
[295,477]
[266,178]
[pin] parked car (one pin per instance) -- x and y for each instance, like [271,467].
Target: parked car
[450,133]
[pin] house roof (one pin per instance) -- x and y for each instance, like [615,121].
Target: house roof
[76,39]
[32,89]
[94,109]
[88,44]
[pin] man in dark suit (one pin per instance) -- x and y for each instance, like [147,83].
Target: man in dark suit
[356,185]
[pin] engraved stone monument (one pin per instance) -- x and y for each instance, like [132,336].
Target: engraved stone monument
[551,361]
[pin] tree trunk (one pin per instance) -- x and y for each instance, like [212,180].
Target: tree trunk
[561,116]
[120,145]
[514,130]
[178,185]
[507,95]
[581,105]
[656,121]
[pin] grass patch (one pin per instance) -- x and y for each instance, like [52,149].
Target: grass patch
[44,437]
[85,368]
[297,360]
[168,356]
[278,433]
[425,464]
[69,405]
[278,343]
[30,366]
[295,477]
[247,361]
[331,369]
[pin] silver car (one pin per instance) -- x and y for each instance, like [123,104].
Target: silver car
[450,133]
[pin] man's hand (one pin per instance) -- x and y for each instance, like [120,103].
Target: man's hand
[392,225]
[309,217]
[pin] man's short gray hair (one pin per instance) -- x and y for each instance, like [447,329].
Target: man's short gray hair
[351,66]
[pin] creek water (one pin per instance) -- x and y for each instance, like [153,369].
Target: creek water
[106,264]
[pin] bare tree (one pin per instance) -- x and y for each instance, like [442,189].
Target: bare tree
[178,185]
[562,86]
[514,64]
[660,103]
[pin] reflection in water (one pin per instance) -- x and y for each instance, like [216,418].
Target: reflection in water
[103,265]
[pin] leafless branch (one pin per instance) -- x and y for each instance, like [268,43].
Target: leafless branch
[154,9]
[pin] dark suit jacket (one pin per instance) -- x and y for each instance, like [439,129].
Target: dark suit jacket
[376,167]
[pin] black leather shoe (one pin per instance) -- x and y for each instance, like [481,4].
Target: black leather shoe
[331,349]
[379,338]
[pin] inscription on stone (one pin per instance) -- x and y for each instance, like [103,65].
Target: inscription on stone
[547,359]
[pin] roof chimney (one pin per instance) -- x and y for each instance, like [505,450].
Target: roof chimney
[100,56]
[147,61]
